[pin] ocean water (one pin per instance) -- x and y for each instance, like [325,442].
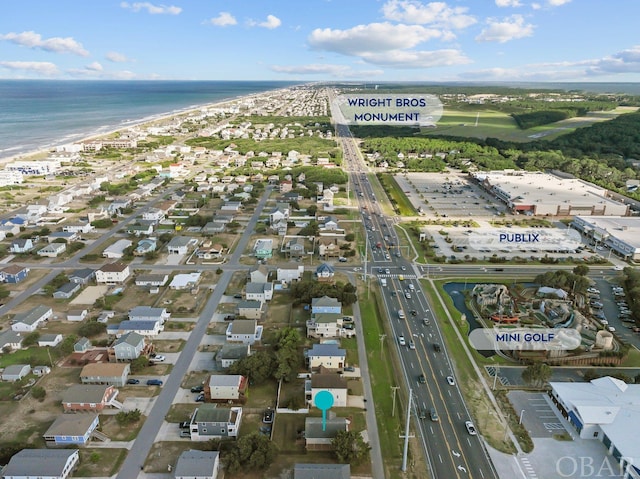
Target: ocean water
[37,114]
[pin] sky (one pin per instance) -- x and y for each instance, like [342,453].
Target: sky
[322,40]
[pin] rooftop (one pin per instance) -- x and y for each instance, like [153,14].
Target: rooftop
[212,413]
[326,350]
[71,425]
[38,462]
[87,393]
[193,463]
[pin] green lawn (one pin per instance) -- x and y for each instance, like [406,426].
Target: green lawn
[34,356]
[285,433]
[397,196]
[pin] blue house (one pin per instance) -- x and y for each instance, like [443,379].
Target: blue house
[145,246]
[326,305]
[14,273]
[71,429]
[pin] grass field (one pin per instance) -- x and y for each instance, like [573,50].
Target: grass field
[402,203]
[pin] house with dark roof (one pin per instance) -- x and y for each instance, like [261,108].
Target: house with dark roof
[90,397]
[329,356]
[258,291]
[66,290]
[251,309]
[212,422]
[147,313]
[14,273]
[10,339]
[325,273]
[318,437]
[326,304]
[82,276]
[45,463]
[29,321]
[127,347]
[231,353]
[331,382]
[295,248]
[246,331]
[152,280]
[21,245]
[179,245]
[71,429]
[193,464]
[112,273]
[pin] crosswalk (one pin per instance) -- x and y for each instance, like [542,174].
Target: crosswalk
[531,472]
[394,276]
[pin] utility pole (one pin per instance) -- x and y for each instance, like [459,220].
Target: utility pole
[495,377]
[393,409]
[406,434]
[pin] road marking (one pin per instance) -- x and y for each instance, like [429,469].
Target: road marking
[440,457]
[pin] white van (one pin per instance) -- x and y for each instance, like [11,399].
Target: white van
[401,314]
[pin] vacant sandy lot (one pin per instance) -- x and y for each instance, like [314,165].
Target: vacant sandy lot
[90,294]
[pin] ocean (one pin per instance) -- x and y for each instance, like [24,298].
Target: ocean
[38,114]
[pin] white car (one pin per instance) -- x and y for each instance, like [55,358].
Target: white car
[471,429]
[401,341]
[158,359]
[451,381]
[412,345]
[611,328]
[618,267]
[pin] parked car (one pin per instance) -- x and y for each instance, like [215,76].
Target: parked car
[412,345]
[158,358]
[200,397]
[349,369]
[185,433]
[267,417]
[197,389]
[154,382]
[133,381]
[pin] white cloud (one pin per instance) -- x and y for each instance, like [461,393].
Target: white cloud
[417,59]
[626,61]
[374,37]
[271,22]
[116,57]
[340,71]
[94,66]
[54,44]
[223,19]
[42,68]
[433,13]
[557,3]
[151,8]
[510,28]
[536,6]
[508,3]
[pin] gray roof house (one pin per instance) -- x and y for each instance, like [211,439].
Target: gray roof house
[230,353]
[82,276]
[259,274]
[322,471]
[317,437]
[82,345]
[10,339]
[45,463]
[210,422]
[193,464]
[127,347]
[71,429]
[31,319]
[246,331]
[147,313]
[66,290]
[251,309]
[15,372]
[179,245]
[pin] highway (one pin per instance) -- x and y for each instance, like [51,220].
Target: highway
[450,451]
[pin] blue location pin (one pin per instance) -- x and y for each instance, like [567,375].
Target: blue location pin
[324,401]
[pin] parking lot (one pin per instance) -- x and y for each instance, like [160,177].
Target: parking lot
[536,414]
[449,195]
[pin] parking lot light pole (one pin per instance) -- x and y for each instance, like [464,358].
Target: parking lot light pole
[521,414]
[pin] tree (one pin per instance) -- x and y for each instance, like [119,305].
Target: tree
[581,270]
[312,210]
[92,328]
[128,417]
[252,452]
[258,367]
[31,339]
[38,392]
[139,364]
[350,237]
[537,374]
[349,447]
[287,356]
[66,346]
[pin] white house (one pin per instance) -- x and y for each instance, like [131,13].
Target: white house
[185,280]
[179,245]
[259,291]
[29,321]
[42,463]
[143,313]
[15,372]
[112,273]
[116,250]
[49,340]
[328,355]
[246,331]
[331,382]
[77,314]
[225,387]
[52,250]
[289,273]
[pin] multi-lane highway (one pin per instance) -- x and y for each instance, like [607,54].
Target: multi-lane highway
[450,450]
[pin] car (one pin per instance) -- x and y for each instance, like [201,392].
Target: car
[471,429]
[186,433]
[403,268]
[200,397]
[618,267]
[412,287]
[412,345]
[158,358]
[267,416]
[237,296]
[611,329]
[414,312]
[407,295]
[604,321]
[401,277]
[401,340]
[422,413]
[154,382]
[197,389]
[426,321]
[451,381]
[436,347]
[349,326]
[387,271]
[349,369]
[347,319]
[422,379]
[133,381]
[433,414]
[380,270]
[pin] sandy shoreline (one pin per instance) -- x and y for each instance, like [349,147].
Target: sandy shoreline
[149,120]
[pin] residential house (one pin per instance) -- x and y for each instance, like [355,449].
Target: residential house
[233,206]
[153,214]
[289,273]
[285,186]
[328,247]
[326,305]
[279,213]
[324,325]
[326,200]
[193,464]
[259,274]
[49,340]
[144,246]
[66,290]
[116,206]
[330,224]
[147,313]
[185,280]
[116,250]
[14,273]
[140,229]
[329,356]
[179,245]
[112,273]
[105,316]
[77,314]
[127,347]
[90,397]
[230,353]
[105,373]
[226,388]
[152,280]
[82,345]
[82,276]
[325,273]
[144,328]
[41,370]
[292,196]
[263,248]
[318,434]
[71,429]
[21,245]
[321,471]
[213,227]
[251,309]
[295,248]
[41,463]
[78,228]
[29,321]
[52,250]
[67,236]
[331,382]
[15,372]
[212,422]
[11,340]
[259,291]
[246,331]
